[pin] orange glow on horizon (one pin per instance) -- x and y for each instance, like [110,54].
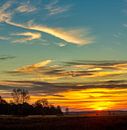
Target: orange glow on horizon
[102,105]
[88,99]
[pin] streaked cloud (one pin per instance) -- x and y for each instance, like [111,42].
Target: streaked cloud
[125,25]
[53,8]
[4,13]
[73,36]
[96,99]
[85,97]
[4,16]
[55,88]
[6,57]
[44,71]
[24,8]
[4,38]
[6,5]
[79,84]
[28,36]
[33,67]
[61,44]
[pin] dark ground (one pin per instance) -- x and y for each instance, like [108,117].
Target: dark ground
[64,123]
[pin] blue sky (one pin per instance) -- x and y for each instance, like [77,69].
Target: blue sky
[100,21]
[63,41]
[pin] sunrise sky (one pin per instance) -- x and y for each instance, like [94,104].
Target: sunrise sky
[72,52]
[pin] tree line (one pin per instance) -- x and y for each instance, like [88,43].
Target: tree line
[20,106]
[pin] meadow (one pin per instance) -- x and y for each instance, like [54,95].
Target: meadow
[64,122]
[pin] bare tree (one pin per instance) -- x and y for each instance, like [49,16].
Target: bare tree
[20,96]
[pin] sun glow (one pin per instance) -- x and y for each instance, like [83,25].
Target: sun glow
[97,99]
[102,105]
[100,108]
[94,99]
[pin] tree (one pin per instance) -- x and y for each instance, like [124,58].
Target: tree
[67,110]
[59,111]
[20,96]
[42,102]
[3,106]
[2,101]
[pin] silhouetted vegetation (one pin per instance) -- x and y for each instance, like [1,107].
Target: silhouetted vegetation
[20,96]
[20,106]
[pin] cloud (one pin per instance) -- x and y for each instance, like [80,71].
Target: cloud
[6,57]
[73,36]
[76,71]
[105,74]
[6,5]
[33,67]
[37,71]
[65,35]
[85,97]
[89,71]
[54,88]
[4,14]
[54,9]
[125,25]
[94,62]
[120,66]
[3,38]
[24,8]
[61,44]
[100,68]
[28,36]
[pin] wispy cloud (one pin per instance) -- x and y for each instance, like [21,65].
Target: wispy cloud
[58,88]
[37,71]
[28,36]
[72,95]
[5,57]
[6,5]
[4,16]
[4,13]
[33,67]
[53,8]
[70,35]
[125,25]
[24,8]
[73,36]
[43,71]
[4,38]
[61,44]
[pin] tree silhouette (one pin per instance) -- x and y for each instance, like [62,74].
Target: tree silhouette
[67,110]
[20,96]
[20,107]
[42,102]
[2,101]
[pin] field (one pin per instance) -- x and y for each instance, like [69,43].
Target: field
[64,123]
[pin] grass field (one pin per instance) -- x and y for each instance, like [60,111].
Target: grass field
[64,123]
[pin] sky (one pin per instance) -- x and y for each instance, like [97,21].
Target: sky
[72,52]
